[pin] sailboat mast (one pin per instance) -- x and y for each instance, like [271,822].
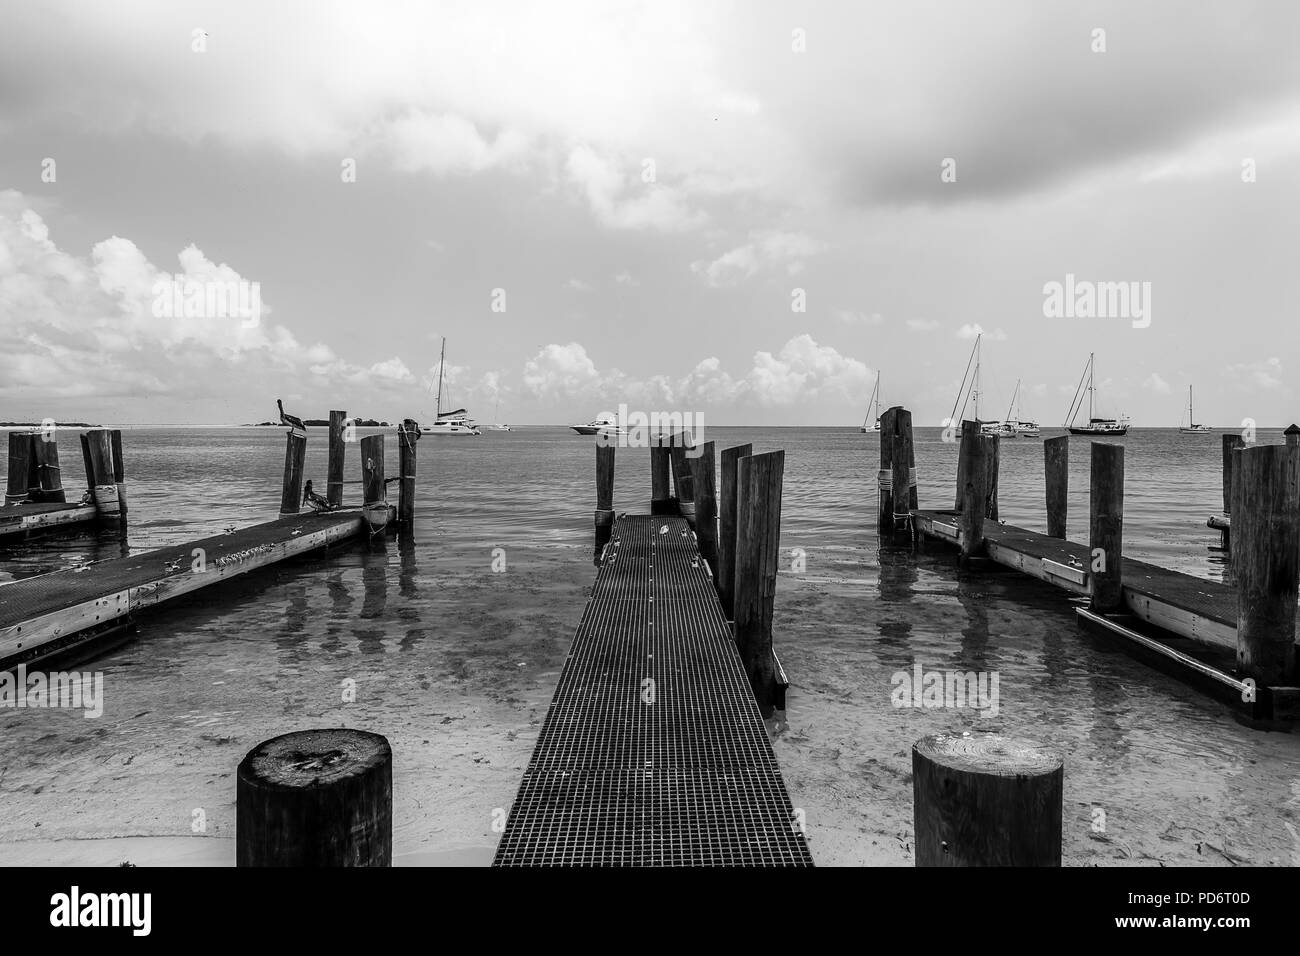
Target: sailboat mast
[442,362]
[1191,412]
[975,383]
[1014,396]
[1092,368]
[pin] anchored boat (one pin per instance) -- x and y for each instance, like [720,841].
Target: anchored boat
[1095,425]
[455,422]
[872,423]
[1192,427]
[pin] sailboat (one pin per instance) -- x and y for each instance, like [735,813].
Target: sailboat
[496,426]
[1016,427]
[872,422]
[1192,427]
[972,395]
[455,422]
[1095,426]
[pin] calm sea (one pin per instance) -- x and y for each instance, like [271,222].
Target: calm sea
[456,662]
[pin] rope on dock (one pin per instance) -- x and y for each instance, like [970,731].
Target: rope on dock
[885,479]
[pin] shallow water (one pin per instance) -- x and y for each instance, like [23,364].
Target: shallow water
[456,663]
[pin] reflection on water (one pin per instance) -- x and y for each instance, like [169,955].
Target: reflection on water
[455,660]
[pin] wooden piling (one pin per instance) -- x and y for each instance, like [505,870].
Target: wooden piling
[992,454]
[295,453]
[374,494]
[727,493]
[900,469]
[337,458]
[89,465]
[604,516]
[973,491]
[103,488]
[21,461]
[885,477]
[705,491]
[119,467]
[1056,471]
[1106,528]
[316,798]
[408,433]
[758,543]
[1230,444]
[49,473]
[683,485]
[660,459]
[986,800]
[1266,552]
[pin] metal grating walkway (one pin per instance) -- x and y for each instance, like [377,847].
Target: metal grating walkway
[687,780]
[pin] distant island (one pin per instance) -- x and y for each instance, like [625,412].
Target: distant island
[42,425]
[324,423]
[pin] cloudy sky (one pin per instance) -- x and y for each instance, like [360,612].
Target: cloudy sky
[746,210]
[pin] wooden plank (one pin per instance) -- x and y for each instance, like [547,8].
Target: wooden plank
[29,635]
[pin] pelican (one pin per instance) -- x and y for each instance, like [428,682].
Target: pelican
[310,497]
[293,421]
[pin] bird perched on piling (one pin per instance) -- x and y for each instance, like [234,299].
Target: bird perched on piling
[316,502]
[293,421]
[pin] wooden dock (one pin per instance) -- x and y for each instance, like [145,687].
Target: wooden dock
[654,751]
[49,613]
[35,497]
[17,521]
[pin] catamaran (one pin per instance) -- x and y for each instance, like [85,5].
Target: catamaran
[1192,427]
[1017,427]
[455,422]
[973,397]
[872,422]
[1095,426]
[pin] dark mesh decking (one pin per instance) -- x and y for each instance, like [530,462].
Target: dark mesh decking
[29,598]
[688,780]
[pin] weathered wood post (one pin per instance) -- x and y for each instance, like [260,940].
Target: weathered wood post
[1056,472]
[704,488]
[1106,528]
[21,464]
[374,494]
[758,543]
[992,453]
[986,800]
[316,798]
[49,475]
[727,492]
[1266,550]
[104,489]
[337,457]
[885,477]
[912,500]
[408,433]
[973,493]
[295,453]
[1230,444]
[682,482]
[660,455]
[901,472]
[604,516]
[119,468]
[89,465]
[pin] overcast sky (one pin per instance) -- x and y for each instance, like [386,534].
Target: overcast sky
[650,186]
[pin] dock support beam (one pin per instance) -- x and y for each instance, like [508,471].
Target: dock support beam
[660,456]
[1106,528]
[408,433]
[373,490]
[992,455]
[683,484]
[1266,548]
[902,473]
[21,467]
[604,516]
[758,543]
[986,800]
[1056,472]
[338,449]
[295,453]
[727,495]
[99,446]
[972,493]
[704,488]
[316,798]
[1230,444]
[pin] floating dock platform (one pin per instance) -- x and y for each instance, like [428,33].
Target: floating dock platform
[17,521]
[50,613]
[654,751]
